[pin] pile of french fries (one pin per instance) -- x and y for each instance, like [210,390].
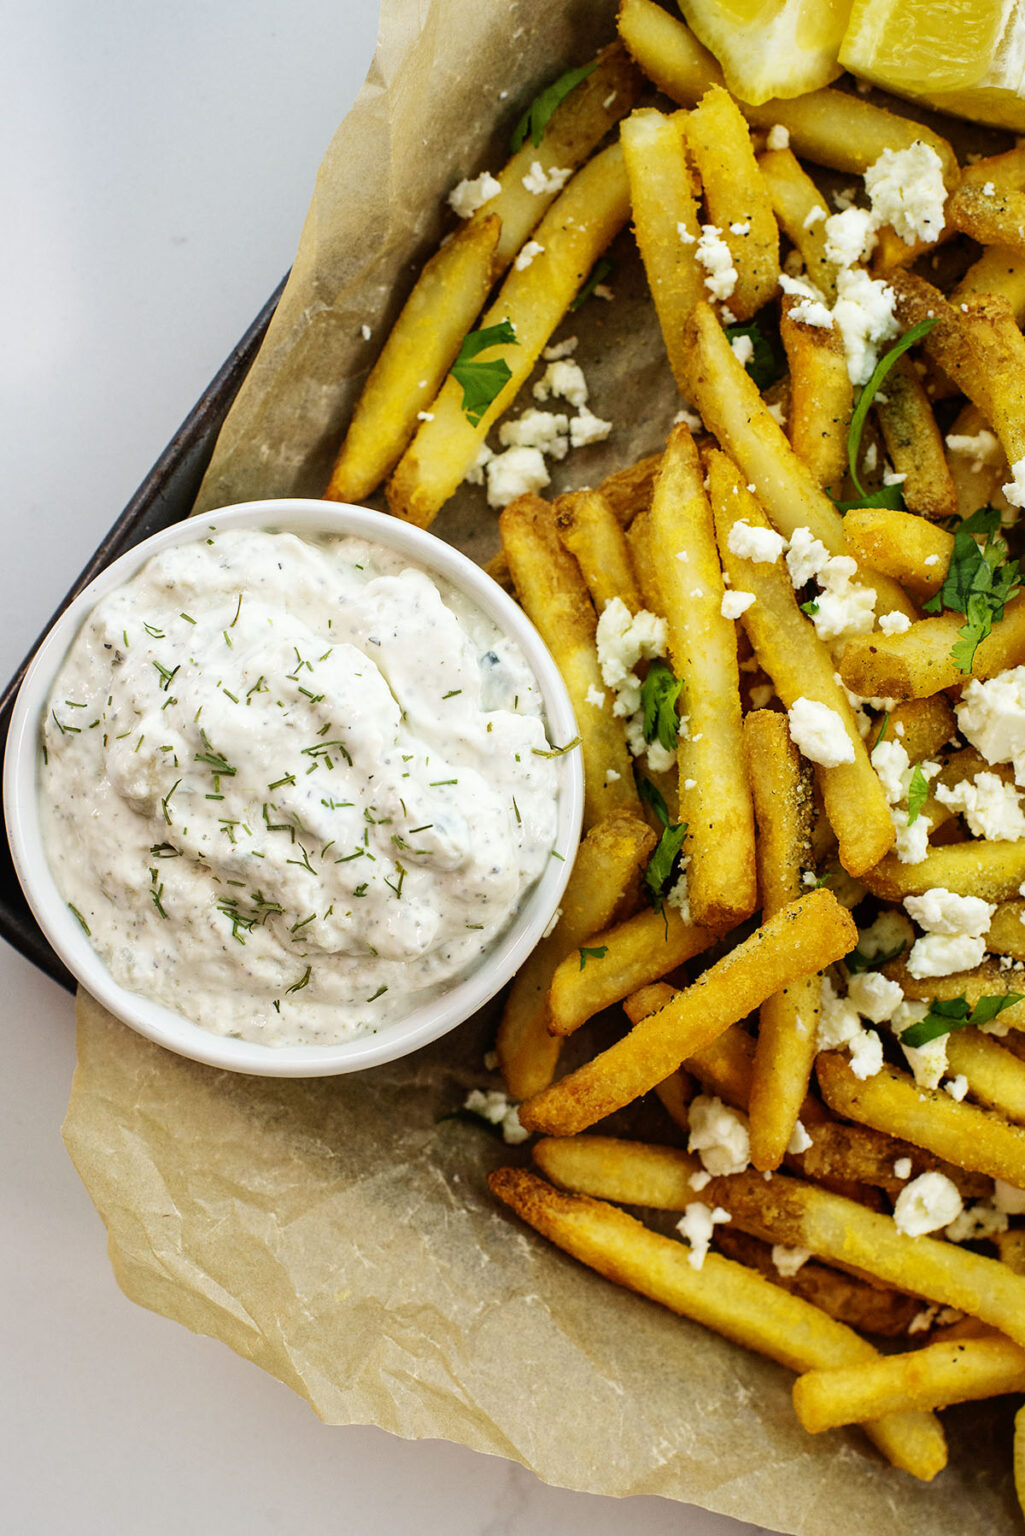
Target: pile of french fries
[787,860]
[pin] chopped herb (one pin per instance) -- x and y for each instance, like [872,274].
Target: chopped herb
[541,110]
[314,698]
[659,693]
[379,993]
[216,761]
[946,1014]
[516,813]
[350,856]
[766,363]
[882,733]
[304,862]
[810,607]
[437,783]
[427,826]
[451,693]
[402,875]
[651,796]
[81,919]
[289,778]
[165,851]
[598,273]
[156,892]
[151,629]
[73,730]
[979,581]
[322,749]
[663,867]
[166,677]
[861,410]
[187,617]
[556,751]
[361,890]
[166,801]
[592,954]
[229,695]
[238,610]
[302,923]
[483,382]
[918,794]
[228,640]
[304,981]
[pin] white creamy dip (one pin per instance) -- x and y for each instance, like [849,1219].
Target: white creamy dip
[291,788]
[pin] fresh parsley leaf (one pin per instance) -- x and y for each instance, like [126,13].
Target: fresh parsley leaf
[861,410]
[810,607]
[597,954]
[980,580]
[599,272]
[857,961]
[651,795]
[889,496]
[483,382]
[824,879]
[954,1013]
[882,732]
[918,794]
[541,110]
[659,693]
[663,869]
[766,363]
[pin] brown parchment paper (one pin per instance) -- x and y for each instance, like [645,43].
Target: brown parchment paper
[339,1232]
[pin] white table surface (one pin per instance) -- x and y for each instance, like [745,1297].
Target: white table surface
[158,163]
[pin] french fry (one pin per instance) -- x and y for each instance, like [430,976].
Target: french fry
[995,1077]
[1006,171]
[987,980]
[498,569]
[735,412]
[918,662]
[718,138]
[992,217]
[924,726]
[605,864]
[421,348]
[789,1019]
[638,539]
[573,234]
[593,534]
[800,665]
[726,1066]
[977,476]
[821,396]
[1011,1247]
[899,544]
[829,127]
[914,443]
[637,952]
[998,270]
[554,596]
[628,491]
[992,870]
[664,203]
[723,1295]
[674,1093]
[961,1371]
[892,1101]
[801,938]
[714,794]
[801,212]
[856,1154]
[1006,932]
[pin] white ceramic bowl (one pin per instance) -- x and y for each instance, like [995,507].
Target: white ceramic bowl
[423,1023]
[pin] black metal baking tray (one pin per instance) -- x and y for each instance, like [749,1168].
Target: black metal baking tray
[164,497]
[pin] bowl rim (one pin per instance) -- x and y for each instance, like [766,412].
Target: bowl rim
[163,1025]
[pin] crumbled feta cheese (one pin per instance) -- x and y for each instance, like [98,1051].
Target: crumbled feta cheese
[778,414]
[1014,490]
[891,762]
[743,227]
[927,1203]
[603,291]
[871,456]
[957,1087]
[982,447]
[943,911]
[912,843]
[818,732]
[537,429]
[527,254]
[902,1168]
[850,236]
[813,309]
[699,1180]
[425,415]
[789,1260]
[611,776]
[875,996]
[564,379]
[938,955]
[989,189]
[623,639]
[991,715]
[735,603]
[475,474]
[799,1141]
[979,1221]
[814,216]
[806,556]
[561,349]
[714,255]
[541,182]
[891,477]
[889,931]
[894,623]
[696,1225]
[586,428]
[844,609]
[931,560]
[594,696]
[468,196]
[866,1054]
[719,1135]
[685,234]
[494,1107]
[905,188]
[865,316]
[690,419]
[927,1062]
[991,808]
[365,332]
[844,197]
[516,472]
[743,349]
[839,1021]
[679,895]
[762,545]
[778,137]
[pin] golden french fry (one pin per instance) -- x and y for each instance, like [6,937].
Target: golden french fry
[714,794]
[573,234]
[1006,171]
[821,396]
[961,1371]
[605,865]
[1006,932]
[637,952]
[801,666]
[665,209]
[628,491]
[998,270]
[915,444]
[718,138]
[911,550]
[789,1019]
[977,467]
[421,348]
[725,1296]
[992,870]
[990,214]
[923,725]
[995,1076]
[801,212]
[594,535]
[989,979]
[801,938]
[554,595]
[962,1133]
[856,1154]
[918,662]
[1011,1247]
[638,539]
[829,127]
[498,569]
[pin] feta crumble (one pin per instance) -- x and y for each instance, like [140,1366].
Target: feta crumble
[585,428]
[564,379]
[1014,490]
[806,557]
[468,196]
[493,1106]
[544,430]
[696,1225]
[954,932]
[719,1135]
[991,715]
[788,1261]
[735,603]
[762,545]
[929,1202]
[542,183]
[527,254]
[902,1168]
[517,472]
[819,732]
[743,349]
[991,808]
[894,623]
[778,137]
[714,255]
[850,236]
[864,314]
[905,188]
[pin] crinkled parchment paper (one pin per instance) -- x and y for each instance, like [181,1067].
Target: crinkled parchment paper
[339,1232]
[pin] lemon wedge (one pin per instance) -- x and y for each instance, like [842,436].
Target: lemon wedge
[771,47]
[961,56]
